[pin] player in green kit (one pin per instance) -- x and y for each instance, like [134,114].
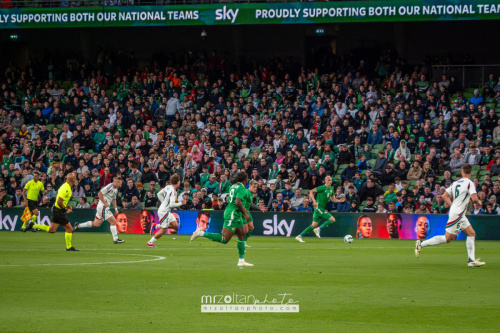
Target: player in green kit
[235,218]
[247,204]
[324,194]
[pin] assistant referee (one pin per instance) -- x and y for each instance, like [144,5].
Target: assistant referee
[31,193]
[59,213]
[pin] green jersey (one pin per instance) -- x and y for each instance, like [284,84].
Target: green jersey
[323,196]
[235,191]
[247,202]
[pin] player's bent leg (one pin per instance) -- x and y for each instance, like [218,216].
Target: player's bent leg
[112,229]
[53,227]
[329,220]
[32,225]
[174,226]
[68,237]
[241,233]
[307,230]
[471,247]
[249,229]
[89,224]
[156,236]
[436,240]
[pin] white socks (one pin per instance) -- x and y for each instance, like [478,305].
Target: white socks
[471,247]
[436,240]
[85,225]
[153,240]
[112,228]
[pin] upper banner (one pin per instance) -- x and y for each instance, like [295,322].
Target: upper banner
[251,13]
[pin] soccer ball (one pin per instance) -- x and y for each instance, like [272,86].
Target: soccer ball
[348,239]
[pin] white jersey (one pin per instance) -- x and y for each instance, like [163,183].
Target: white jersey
[168,198]
[109,193]
[461,192]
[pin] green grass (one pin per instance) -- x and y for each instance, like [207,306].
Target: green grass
[367,286]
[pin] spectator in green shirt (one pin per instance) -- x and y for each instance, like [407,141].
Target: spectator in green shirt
[212,185]
[390,195]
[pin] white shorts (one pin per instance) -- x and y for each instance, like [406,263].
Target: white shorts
[102,213]
[457,223]
[165,219]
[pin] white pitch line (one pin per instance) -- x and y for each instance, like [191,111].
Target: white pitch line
[230,248]
[155,258]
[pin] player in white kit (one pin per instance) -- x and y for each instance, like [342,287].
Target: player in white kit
[168,198]
[460,192]
[107,195]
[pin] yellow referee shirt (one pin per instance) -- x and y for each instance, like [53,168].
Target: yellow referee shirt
[64,193]
[33,189]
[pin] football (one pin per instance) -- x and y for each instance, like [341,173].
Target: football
[348,239]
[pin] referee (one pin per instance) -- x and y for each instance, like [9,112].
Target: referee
[59,213]
[31,192]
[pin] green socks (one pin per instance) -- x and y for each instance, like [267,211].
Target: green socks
[307,230]
[214,237]
[326,224]
[249,233]
[68,237]
[241,248]
[42,227]
[33,218]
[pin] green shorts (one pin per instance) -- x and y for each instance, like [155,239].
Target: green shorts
[233,220]
[245,220]
[232,225]
[320,214]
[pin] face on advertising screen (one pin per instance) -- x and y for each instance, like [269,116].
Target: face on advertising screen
[146,221]
[121,222]
[364,228]
[393,225]
[203,220]
[422,227]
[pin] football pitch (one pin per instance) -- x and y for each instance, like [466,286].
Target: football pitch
[367,286]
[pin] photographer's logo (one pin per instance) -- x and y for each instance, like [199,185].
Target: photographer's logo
[248,303]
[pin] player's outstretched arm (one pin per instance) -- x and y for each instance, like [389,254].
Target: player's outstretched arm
[173,203]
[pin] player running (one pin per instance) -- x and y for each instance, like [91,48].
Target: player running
[248,203]
[168,198]
[324,194]
[59,211]
[31,192]
[234,219]
[461,192]
[107,195]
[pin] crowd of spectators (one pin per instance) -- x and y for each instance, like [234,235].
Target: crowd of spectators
[393,141]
